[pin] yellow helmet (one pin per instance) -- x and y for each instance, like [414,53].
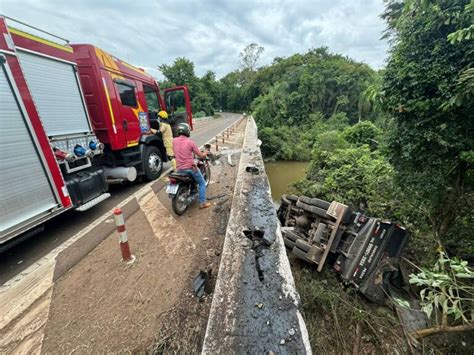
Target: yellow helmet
[163,114]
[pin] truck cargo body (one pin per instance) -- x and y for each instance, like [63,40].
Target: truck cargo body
[48,151]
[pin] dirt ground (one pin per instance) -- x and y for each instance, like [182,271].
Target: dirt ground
[103,305]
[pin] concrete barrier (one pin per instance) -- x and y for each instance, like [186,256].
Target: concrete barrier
[255,307]
[203,119]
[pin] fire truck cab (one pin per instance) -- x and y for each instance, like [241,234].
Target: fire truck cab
[123,102]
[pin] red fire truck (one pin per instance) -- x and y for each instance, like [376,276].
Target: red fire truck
[59,142]
[123,101]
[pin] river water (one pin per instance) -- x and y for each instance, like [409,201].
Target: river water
[282,173]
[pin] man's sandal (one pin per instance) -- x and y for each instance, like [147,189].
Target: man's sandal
[205,205]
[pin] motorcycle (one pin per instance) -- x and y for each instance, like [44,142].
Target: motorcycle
[183,189]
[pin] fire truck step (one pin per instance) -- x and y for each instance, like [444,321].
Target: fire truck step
[93,202]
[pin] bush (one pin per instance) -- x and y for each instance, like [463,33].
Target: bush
[284,143]
[364,132]
[354,176]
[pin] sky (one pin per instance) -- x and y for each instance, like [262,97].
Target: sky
[211,33]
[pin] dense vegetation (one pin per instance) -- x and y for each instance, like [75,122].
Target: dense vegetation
[398,143]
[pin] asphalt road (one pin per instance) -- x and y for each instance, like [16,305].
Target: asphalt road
[66,225]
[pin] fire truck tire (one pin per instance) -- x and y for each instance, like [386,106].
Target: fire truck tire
[315,202]
[300,254]
[152,163]
[311,209]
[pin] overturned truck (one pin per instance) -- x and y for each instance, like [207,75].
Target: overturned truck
[363,250]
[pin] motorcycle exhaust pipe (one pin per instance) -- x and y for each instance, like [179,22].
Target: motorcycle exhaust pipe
[125,173]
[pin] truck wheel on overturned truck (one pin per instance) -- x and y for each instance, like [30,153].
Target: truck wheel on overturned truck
[311,209]
[152,163]
[301,254]
[315,202]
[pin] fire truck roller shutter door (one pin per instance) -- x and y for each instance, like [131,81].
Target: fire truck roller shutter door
[24,188]
[55,90]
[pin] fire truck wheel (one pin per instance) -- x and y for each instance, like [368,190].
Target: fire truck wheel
[152,163]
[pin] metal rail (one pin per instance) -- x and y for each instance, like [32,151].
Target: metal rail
[35,28]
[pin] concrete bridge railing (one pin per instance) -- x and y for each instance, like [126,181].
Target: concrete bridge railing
[255,307]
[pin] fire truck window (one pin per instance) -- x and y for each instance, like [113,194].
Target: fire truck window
[151,99]
[175,101]
[127,95]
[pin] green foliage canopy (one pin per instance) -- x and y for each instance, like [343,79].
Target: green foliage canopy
[430,136]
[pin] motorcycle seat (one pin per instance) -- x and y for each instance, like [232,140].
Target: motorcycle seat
[180,176]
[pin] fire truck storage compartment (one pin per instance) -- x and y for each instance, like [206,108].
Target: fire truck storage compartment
[56,92]
[25,189]
[86,185]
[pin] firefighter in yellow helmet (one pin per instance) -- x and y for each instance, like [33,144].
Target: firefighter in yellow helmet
[167,134]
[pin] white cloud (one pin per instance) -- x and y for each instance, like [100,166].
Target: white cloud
[210,33]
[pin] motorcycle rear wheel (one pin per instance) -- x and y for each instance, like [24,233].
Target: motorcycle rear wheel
[179,201]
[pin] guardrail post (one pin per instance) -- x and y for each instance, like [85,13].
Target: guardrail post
[217,144]
[123,238]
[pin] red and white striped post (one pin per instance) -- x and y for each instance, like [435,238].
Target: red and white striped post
[123,239]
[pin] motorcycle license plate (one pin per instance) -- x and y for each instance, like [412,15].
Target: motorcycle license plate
[172,189]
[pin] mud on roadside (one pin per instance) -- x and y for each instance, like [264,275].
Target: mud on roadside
[102,305]
[183,326]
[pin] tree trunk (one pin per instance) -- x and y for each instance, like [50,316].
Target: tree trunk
[451,204]
[442,329]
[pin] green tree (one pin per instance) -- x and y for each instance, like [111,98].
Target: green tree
[204,91]
[181,72]
[430,137]
[250,56]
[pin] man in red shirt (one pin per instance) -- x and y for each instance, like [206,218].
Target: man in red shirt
[184,148]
